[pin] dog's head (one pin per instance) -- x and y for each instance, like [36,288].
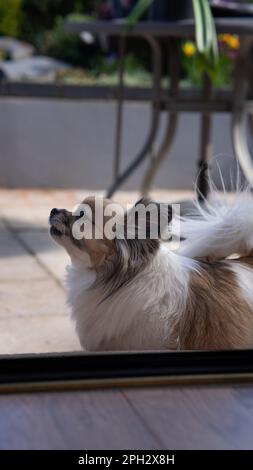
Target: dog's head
[100,232]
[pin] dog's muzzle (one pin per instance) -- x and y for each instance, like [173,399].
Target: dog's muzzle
[59,222]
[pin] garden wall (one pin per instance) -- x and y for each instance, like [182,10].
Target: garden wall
[70,144]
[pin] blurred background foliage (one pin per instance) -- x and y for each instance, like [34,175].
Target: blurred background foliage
[10,17]
[41,23]
[28,19]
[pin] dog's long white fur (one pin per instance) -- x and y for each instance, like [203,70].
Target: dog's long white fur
[221,228]
[138,316]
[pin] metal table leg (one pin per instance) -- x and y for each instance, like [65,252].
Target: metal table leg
[205,144]
[241,88]
[172,118]
[156,58]
[119,115]
[250,120]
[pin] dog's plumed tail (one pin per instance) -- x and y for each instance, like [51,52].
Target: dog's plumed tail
[220,228]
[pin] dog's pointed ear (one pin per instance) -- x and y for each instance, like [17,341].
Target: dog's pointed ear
[98,251]
[158,217]
[145,200]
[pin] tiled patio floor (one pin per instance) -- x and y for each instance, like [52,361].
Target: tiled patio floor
[33,314]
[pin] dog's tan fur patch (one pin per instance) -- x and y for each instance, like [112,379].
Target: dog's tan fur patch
[217,316]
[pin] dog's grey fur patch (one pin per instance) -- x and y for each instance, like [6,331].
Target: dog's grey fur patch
[128,259]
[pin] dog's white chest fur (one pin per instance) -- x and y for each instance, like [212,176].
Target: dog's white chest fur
[139,315]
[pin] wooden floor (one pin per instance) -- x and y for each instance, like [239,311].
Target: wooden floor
[192,417]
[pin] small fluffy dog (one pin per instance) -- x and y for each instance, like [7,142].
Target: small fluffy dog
[137,294]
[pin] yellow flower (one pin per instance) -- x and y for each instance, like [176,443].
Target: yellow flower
[189,49]
[233,42]
[224,37]
[230,40]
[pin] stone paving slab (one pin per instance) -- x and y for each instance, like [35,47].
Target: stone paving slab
[23,218]
[36,298]
[39,334]
[38,198]
[50,255]
[15,263]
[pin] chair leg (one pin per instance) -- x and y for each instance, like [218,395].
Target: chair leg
[143,154]
[119,116]
[205,145]
[243,77]
[172,118]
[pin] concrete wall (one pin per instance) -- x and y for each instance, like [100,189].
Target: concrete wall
[49,143]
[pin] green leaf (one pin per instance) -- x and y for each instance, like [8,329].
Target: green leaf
[205,32]
[208,23]
[137,12]
[199,25]
[211,44]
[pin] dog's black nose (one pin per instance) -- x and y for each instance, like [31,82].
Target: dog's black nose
[54,211]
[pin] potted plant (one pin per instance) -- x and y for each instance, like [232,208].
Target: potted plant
[205,33]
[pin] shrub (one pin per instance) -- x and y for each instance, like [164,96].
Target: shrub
[10,17]
[39,15]
[195,64]
[66,46]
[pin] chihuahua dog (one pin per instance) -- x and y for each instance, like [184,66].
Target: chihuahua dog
[130,293]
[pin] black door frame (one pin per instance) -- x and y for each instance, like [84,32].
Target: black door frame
[69,371]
